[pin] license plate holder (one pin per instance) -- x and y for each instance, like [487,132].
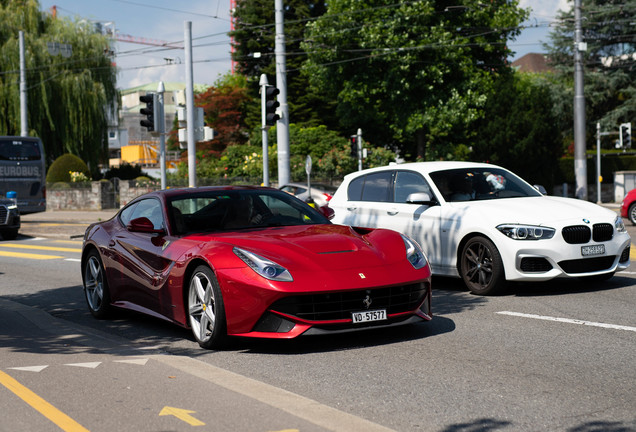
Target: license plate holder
[593,250]
[368,316]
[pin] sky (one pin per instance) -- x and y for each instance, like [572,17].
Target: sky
[165,20]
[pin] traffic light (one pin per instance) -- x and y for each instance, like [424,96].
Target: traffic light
[626,135]
[354,146]
[270,105]
[150,99]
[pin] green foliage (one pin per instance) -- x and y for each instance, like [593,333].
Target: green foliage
[520,131]
[610,75]
[61,169]
[68,98]
[411,74]
[125,171]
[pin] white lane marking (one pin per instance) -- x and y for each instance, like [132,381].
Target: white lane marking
[569,321]
[31,368]
[73,259]
[90,365]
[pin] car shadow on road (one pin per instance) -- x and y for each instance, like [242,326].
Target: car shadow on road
[567,286]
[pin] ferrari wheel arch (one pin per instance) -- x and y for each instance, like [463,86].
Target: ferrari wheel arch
[187,275]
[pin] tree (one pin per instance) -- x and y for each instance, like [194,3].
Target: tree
[610,63]
[254,43]
[224,105]
[69,99]
[413,74]
[519,130]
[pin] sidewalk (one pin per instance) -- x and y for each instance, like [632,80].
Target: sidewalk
[62,224]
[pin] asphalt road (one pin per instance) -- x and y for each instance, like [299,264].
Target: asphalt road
[550,356]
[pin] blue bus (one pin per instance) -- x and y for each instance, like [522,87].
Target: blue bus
[22,170]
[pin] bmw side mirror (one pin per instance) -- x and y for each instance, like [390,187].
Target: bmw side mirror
[421,198]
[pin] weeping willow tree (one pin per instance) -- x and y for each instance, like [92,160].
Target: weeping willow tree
[70,98]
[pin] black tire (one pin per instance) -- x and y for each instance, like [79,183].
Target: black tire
[631,214]
[481,268]
[96,289]
[206,310]
[10,234]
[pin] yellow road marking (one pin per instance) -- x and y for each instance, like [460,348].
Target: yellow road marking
[35,247]
[77,242]
[29,256]
[181,414]
[62,420]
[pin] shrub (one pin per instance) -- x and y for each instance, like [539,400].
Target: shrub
[61,169]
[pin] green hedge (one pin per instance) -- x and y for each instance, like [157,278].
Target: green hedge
[610,163]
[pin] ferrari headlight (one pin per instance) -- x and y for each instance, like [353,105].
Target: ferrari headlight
[526,232]
[264,267]
[619,225]
[414,253]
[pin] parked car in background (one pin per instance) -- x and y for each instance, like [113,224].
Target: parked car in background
[628,206]
[484,224]
[9,218]
[320,193]
[253,262]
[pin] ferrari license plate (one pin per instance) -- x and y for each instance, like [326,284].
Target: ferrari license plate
[593,250]
[366,316]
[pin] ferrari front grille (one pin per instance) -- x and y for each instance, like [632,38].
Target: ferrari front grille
[587,265]
[339,305]
[4,215]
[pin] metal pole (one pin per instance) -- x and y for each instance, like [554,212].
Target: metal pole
[161,123]
[598,163]
[24,125]
[264,83]
[192,148]
[580,167]
[282,126]
[359,144]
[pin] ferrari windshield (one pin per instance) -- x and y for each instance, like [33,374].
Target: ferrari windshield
[233,209]
[468,184]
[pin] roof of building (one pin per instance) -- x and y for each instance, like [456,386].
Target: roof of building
[532,62]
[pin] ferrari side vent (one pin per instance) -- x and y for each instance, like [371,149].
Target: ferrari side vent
[340,305]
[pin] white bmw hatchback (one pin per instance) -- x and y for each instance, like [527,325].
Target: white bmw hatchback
[484,224]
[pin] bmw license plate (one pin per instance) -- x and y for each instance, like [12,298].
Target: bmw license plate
[367,316]
[593,250]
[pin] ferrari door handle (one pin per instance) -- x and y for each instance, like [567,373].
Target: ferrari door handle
[352,208]
[392,212]
[111,243]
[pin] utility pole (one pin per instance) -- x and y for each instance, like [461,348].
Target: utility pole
[359,144]
[263,84]
[580,162]
[192,147]
[282,125]
[24,125]
[160,122]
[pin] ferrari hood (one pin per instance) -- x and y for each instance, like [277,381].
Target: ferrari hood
[327,246]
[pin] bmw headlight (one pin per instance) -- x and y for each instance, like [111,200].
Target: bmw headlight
[619,225]
[264,267]
[414,253]
[526,232]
